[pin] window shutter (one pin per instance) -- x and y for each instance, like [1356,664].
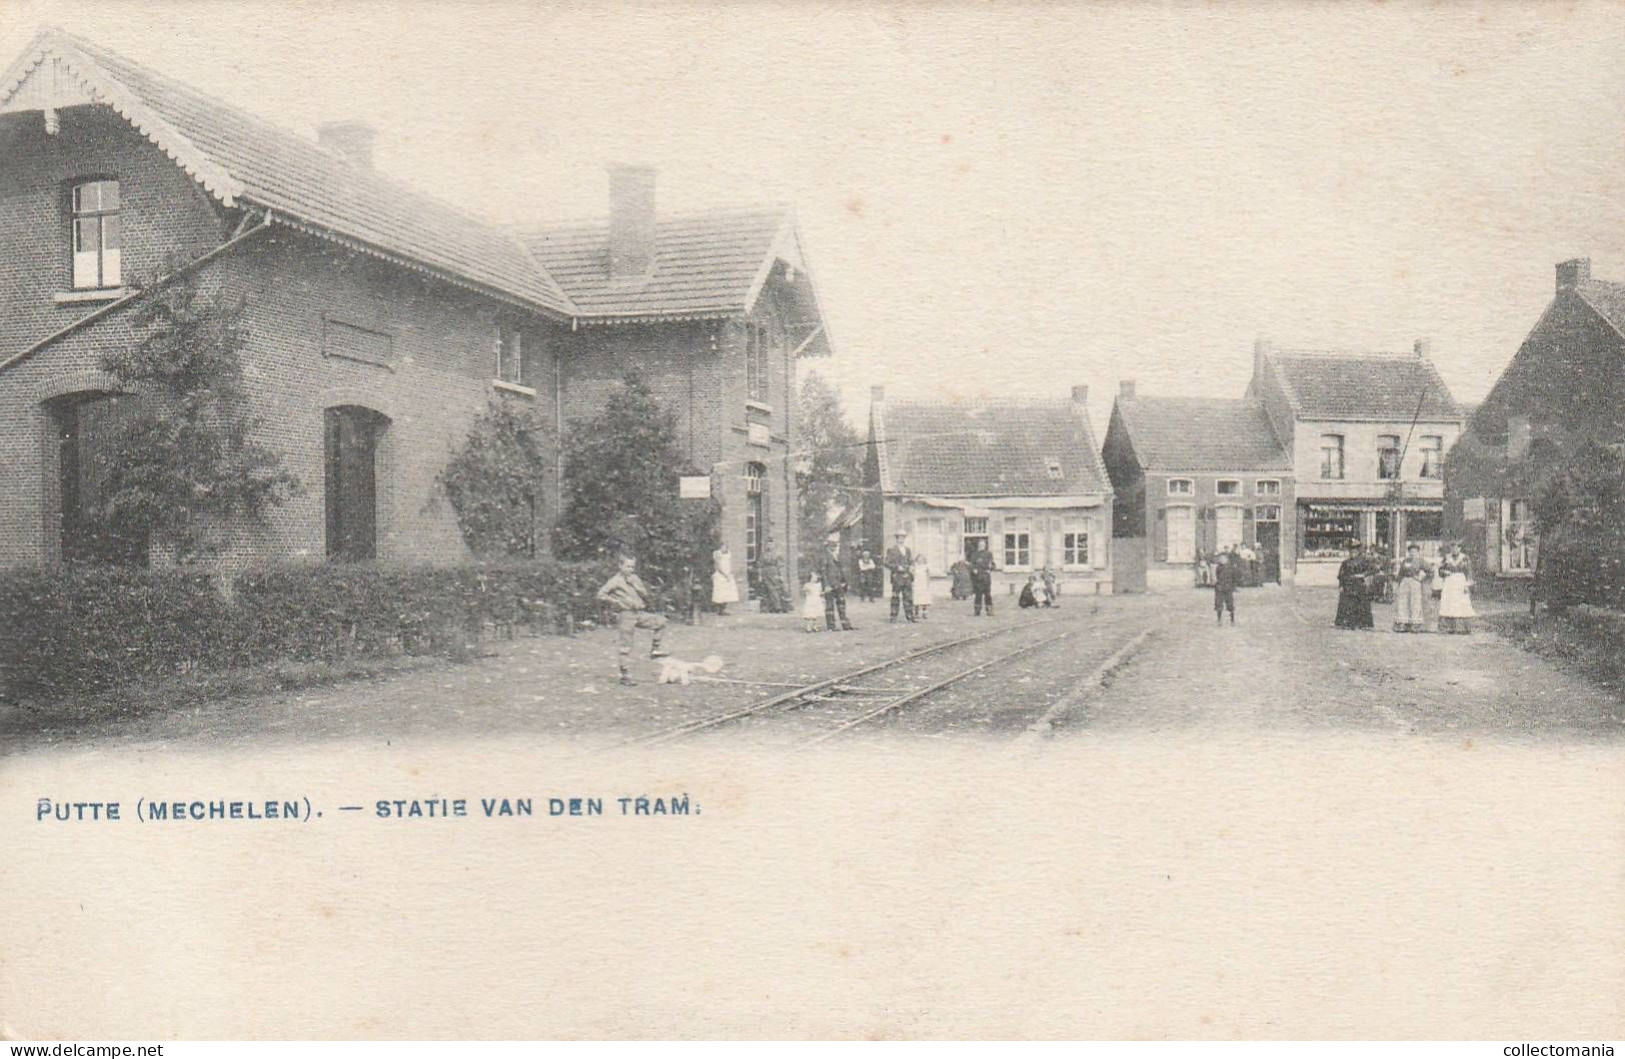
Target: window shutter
[1097,542]
[1492,536]
[1159,537]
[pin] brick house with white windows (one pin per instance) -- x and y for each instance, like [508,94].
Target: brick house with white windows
[1195,475]
[1565,387]
[1026,479]
[381,321]
[1367,434]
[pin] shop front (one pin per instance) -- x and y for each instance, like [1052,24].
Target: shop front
[1327,528]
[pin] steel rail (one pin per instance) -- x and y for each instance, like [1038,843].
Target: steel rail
[914,696]
[800,694]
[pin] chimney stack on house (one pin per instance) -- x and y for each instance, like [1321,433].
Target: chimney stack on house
[1080,395]
[1572,273]
[1424,348]
[1262,347]
[350,139]
[1125,388]
[631,221]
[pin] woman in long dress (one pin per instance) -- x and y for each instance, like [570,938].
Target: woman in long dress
[1354,594]
[1456,612]
[724,589]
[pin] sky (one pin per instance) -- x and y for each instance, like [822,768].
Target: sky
[1003,200]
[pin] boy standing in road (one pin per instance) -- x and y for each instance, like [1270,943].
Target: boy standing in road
[632,599]
[1226,576]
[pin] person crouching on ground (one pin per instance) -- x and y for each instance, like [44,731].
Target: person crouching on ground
[632,600]
[812,604]
[1226,576]
[1410,591]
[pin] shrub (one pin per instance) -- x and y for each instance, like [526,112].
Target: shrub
[72,631]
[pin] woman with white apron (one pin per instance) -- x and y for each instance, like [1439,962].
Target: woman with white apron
[1455,601]
[724,589]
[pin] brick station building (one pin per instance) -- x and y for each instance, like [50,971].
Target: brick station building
[381,321]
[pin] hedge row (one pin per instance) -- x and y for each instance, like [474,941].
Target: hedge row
[76,630]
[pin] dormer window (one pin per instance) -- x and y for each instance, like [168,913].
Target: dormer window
[97,239]
[1053,466]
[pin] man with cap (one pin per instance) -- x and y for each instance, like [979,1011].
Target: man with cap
[833,576]
[981,579]
[900,562]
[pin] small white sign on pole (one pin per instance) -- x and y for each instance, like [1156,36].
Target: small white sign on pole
[1472,509]
[694,487]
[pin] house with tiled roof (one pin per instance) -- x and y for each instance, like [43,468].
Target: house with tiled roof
[1191,476]
[1025,479]
[1563,389]
[1367,434]
[380,320]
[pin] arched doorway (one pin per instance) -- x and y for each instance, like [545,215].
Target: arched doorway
[88,429]
[352,435]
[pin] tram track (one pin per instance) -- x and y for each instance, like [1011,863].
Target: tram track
[812,714]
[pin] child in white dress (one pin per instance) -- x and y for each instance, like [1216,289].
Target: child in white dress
[812,605]
[922,588]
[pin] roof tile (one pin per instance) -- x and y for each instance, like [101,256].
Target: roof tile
[991,450]
[1192,434]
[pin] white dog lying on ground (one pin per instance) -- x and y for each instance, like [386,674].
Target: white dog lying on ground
[677,671]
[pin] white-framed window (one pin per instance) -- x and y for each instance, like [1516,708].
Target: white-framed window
[1075,544]
[1053,466]
[97,235]
[1388,456]
[1517,537]
[1432,446]
[1018,543]
[1227,526]
[975,535]
[1181,533]
[1229,487]
[510,366]
[1331,456]
[1267,487]
[1181,487]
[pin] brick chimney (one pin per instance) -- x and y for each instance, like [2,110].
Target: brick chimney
[1262,347]
[1572,273]
[1125,388]
[350,139]
[1424,348]
[631,221]
[1080,395]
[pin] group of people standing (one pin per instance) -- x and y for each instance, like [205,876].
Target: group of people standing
[833,576]
[910,575]
[1422,590]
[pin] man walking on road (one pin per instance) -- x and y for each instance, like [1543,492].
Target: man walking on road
[900,564]
[981,579]
[832,575]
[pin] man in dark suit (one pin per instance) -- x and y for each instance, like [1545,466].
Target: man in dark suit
[832,574]
[900,563]
[981,579]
